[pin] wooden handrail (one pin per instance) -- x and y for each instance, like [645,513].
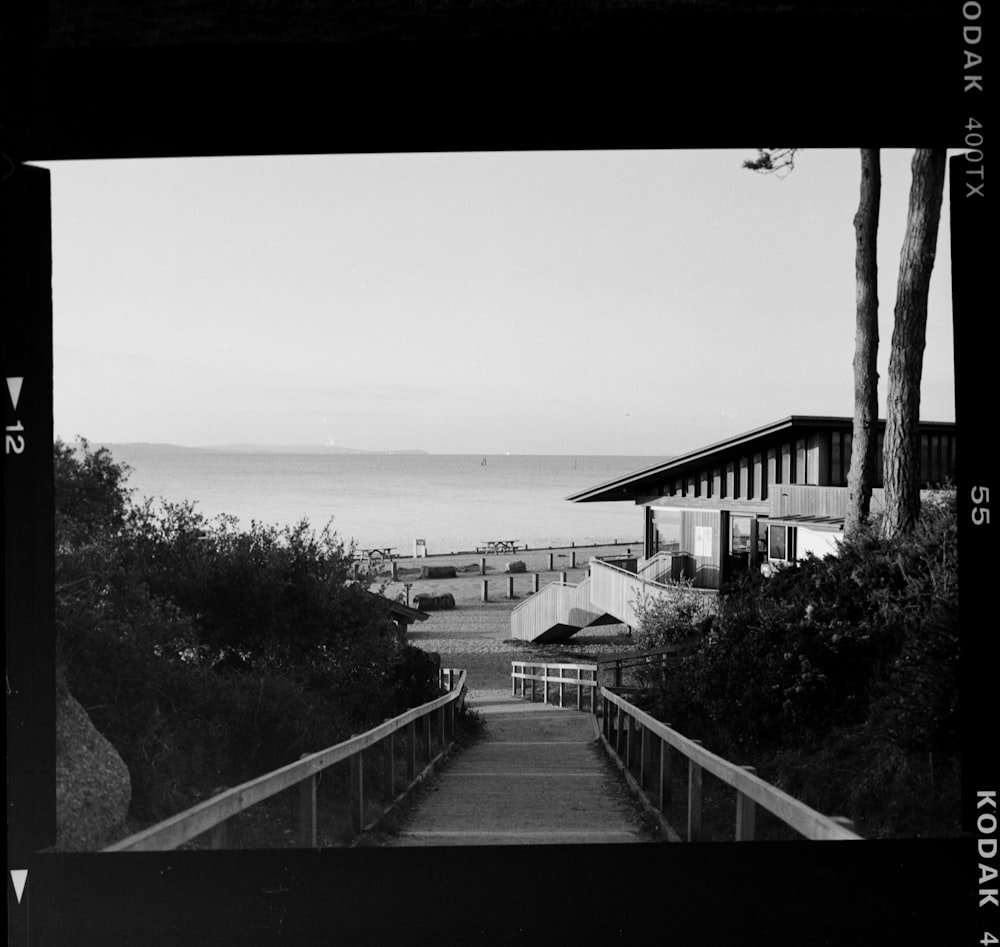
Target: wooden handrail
[579,682]
[632,745]
[749,787]
[681,648]
[212,813]
[548,588]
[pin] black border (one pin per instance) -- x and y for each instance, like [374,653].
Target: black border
[703,82]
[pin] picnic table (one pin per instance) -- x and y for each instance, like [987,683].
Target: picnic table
[498,546]
[376,553]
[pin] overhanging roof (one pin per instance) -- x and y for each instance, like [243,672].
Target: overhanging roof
[832,523]
[634,484]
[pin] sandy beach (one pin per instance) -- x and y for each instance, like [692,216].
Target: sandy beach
[476,635]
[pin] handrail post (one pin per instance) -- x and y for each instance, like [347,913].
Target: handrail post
[513,679]
[428,749]
[219,836]
[619,730]
[411,751]
[561,687]
[843,821]
[307,811]
[388,769]
[357,802]
[631,746]
[666,758]
[645,755]
[694,799]
[441,720]
[746,812]
[579,689]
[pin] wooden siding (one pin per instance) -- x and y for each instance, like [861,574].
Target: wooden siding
[807,500]
[838,474]
[786,463]
[746,487]
[820,458]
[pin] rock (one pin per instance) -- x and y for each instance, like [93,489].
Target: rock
[437,572]
[429,603]
[516,566]
[93,789]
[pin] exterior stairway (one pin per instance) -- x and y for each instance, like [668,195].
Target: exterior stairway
[611,595]
[556,612]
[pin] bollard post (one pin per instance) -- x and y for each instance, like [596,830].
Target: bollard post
[551,565]
[534,582]
[572,560]
[510,586]
[482,565]
[486,590]
[393,570]
[562,577]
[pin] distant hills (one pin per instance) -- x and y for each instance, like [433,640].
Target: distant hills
[251,449]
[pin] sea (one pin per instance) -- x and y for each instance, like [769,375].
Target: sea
[453,502]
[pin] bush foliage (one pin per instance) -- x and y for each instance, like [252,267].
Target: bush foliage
[867,636]
[208,654]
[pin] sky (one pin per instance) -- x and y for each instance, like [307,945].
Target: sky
[605,302]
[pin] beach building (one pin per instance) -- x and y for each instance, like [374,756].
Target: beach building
[758,500]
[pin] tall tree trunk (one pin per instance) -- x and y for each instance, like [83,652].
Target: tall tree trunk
[902,432]
[861,477]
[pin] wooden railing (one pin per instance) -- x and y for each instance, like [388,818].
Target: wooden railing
[653,659]
[523,672]
[645,748]
[619,592]
[656,567]
[558,603]
[212,814]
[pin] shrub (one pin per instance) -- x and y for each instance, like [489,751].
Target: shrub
[209,654]
[678,616]
[869,634]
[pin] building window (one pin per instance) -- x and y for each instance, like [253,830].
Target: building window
[739,543]
[667,530]
[781,543]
